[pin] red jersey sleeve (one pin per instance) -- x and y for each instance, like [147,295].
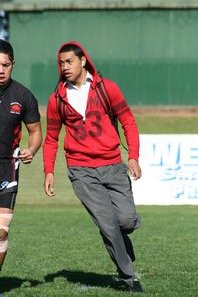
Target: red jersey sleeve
[53,128]
[125,117]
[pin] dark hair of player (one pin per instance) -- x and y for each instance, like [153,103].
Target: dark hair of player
[72,48]
[6,48]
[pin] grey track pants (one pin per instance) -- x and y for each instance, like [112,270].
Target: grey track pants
[107,195]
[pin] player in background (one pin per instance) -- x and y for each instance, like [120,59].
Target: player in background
[17,105]
[99,177]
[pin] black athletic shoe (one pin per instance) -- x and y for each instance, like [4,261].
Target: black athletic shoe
[137,287]
[128,285]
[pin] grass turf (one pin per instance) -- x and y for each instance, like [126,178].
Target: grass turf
[167,125]
[57,251]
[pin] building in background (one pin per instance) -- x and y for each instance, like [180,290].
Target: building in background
[150,48]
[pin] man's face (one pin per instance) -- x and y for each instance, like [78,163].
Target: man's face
[6,67]
[71,67]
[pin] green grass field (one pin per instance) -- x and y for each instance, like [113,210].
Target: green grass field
[56,250]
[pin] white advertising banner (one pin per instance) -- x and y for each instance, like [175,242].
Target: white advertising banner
[169,165]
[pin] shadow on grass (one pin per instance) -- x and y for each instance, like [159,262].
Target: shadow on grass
[86,279]
[89,279]
[8,284]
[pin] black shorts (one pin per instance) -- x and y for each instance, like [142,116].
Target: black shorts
[9,175]
[7,200]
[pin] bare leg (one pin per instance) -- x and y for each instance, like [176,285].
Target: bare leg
[4,226]
[2,258]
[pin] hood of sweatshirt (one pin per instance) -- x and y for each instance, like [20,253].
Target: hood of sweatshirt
[89,66]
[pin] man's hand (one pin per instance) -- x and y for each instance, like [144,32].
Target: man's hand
[134,169]
[49,184]
[26,156]
[34,143]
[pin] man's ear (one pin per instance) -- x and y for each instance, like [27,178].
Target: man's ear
[83,62]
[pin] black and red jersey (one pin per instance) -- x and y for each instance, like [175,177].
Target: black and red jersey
[17,105]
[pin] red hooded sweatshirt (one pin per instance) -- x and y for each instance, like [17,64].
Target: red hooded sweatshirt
[92,142]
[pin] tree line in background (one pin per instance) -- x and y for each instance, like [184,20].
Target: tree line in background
[4,25]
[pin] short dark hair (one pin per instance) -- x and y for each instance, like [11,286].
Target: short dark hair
[6,48]
[74,48]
